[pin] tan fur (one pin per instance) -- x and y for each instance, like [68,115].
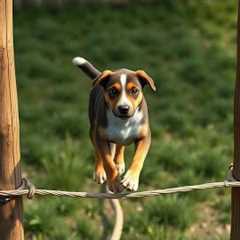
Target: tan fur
[119,158]
[112,102]
[102,77]
[141,74]
[135,100]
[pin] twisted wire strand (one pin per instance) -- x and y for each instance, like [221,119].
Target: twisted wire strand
[124,195]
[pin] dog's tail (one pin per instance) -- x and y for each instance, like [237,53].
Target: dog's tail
[86,67]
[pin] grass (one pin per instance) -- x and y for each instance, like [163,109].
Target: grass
[189,49]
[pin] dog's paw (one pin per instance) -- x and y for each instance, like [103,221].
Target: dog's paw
[130,181]
[120,168]
[115,186]
[100,176]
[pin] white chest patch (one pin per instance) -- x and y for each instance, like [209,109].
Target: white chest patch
[123,131]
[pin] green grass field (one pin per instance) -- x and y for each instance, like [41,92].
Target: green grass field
[189,49]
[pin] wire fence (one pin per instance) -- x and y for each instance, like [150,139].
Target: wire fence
[28,189]
[150,193]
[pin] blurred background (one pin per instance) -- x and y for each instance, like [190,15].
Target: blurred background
[188,47]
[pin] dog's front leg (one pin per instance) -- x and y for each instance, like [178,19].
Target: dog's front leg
[99,174]
[106,151]
[131,178]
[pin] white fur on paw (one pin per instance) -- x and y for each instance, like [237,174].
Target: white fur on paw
[130,181]
[121,168]
[100,177]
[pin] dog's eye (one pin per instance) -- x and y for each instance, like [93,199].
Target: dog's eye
[112,92]
[134,91]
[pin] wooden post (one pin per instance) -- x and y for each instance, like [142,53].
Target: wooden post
[11,227]
[235,218]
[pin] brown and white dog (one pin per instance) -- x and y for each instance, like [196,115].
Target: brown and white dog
[118,116]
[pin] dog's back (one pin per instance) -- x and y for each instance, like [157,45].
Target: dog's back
[96,107]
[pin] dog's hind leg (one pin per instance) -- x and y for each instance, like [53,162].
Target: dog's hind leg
[113,149]
[119,159]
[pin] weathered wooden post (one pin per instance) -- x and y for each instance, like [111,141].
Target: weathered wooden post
[11,227]
[235,221]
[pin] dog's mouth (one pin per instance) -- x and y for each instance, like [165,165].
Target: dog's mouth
[122,116]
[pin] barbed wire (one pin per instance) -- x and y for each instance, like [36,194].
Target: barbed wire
[123,195]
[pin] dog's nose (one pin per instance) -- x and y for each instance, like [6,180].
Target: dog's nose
[123,109]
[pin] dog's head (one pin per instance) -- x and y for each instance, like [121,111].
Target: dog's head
[123,90]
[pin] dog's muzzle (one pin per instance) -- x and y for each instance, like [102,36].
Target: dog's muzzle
[123,112]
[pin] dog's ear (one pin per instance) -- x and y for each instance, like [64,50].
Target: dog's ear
[102,78]
[144,79]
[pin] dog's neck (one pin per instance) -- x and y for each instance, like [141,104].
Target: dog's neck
[124,131]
